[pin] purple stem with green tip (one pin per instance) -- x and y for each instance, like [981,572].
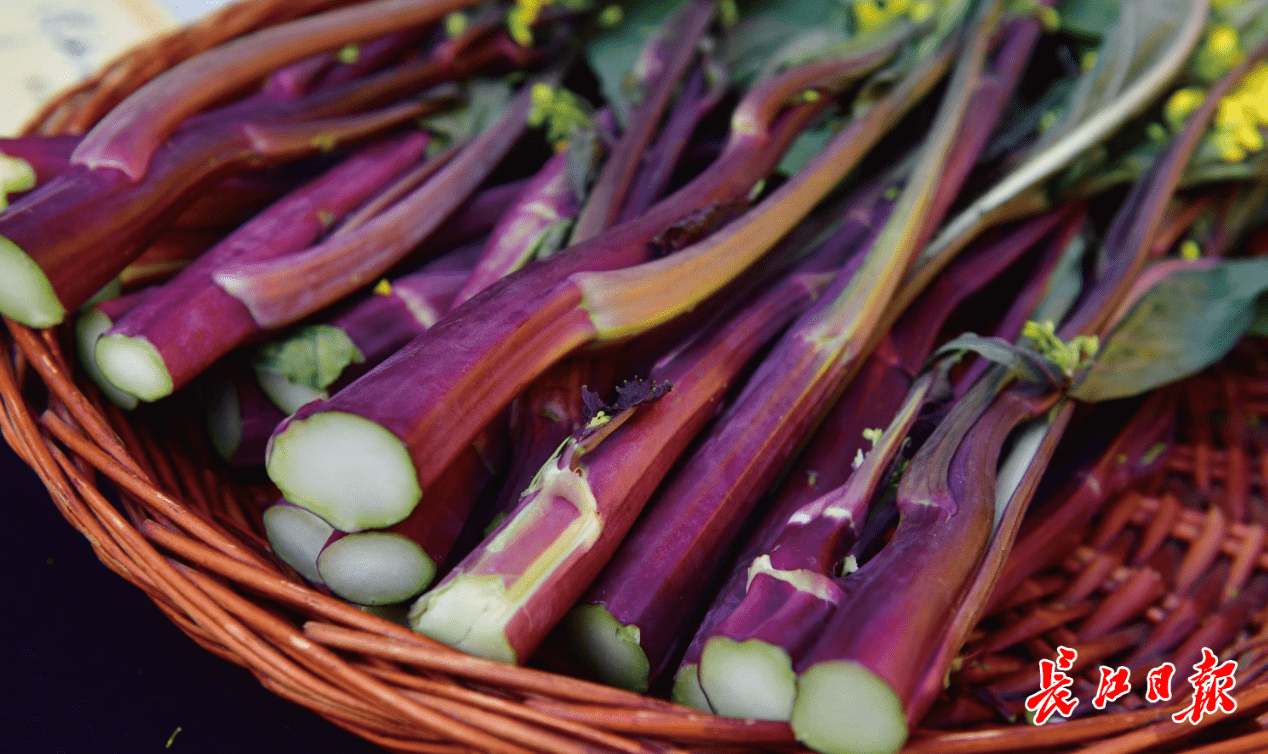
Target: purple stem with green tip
[526,576]
[422,406]
[129,136]
[607,197]
[372,329]
[280,291]
[183,327]
[56,264]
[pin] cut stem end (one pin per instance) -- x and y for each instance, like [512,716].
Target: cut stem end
[345,468]
[135,366]
[375,568]
[844,708]
[608,647]
[26,295]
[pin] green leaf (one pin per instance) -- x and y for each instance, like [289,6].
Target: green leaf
[808,144]
[1182,325]
[486,99]
[1259,326]
[1028,365]
[615,50]
[1087,18]
[313,356]
[1064,285]
[552,238]
[1142,36]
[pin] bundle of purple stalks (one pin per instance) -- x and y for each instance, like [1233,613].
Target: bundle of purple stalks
[719,349]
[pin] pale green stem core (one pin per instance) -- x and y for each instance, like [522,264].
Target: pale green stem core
[687,690]
[26,295]
[609,648]
[375,568]
[91,326]
[325,458]
[629,301]
[747,679]
[224,417]
[297,537]
[134,365]
[844,708]
[15,175]
[472,609]
[286,395]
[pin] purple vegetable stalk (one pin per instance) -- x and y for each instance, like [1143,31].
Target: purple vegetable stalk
[166,255]
[318,359]
[27,162]
[133,132]
[702,93]
[174,335]
[503,598]
[62,242]
[240,417]
[713,492]
[548,201]
[610,189]
[855,691]
[279,291]
[874,648]
[417,410]
[789,585]
[746,666]
[870,400]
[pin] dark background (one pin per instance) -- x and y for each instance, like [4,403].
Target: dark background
[87,660]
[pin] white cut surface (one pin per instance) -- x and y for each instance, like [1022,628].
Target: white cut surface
[844,708]
[134,365]
[607,647]
[285,394]
[91,326]
[350,471]
[25,293]
[297,537]
[747,679]
[687,691]
[469,613]
[224,416]
[375,568]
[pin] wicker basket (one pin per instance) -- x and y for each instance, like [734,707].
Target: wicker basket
[191,539]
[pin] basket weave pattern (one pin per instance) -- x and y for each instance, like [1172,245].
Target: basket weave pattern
[191,539]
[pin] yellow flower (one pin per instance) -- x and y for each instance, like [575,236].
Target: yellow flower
[522,17]
[1189,250]
[921,11]
[1249,137]
[1181,105]
[1088,61]
[1226,144]
[873,14]
[1222,40]
[1050,19]
[1220,53]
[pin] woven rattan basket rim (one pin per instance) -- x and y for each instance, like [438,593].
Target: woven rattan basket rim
[185,542]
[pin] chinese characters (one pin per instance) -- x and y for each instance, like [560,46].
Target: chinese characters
[1212,681]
